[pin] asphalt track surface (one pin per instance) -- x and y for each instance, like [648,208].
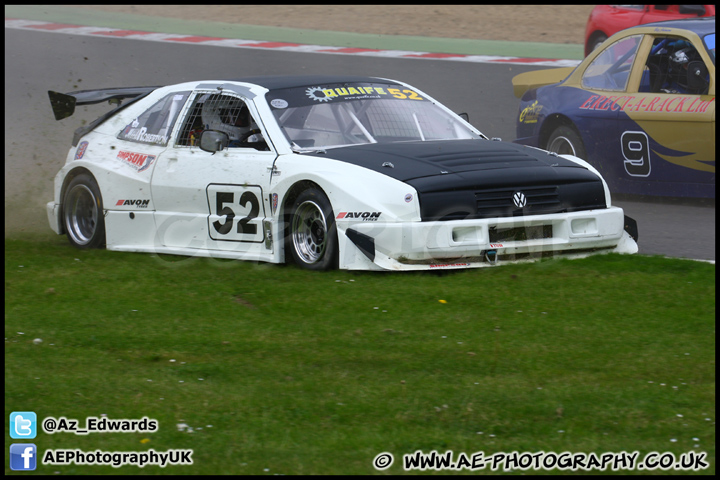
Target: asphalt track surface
[38,61]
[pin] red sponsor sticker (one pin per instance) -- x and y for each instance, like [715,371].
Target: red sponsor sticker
[139,161]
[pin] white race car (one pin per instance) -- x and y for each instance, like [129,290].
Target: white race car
[345,172]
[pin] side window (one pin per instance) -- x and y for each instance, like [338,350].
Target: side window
[154,126]
[674,66]
[709,41]
[192,126]
[611,69]
[223,113]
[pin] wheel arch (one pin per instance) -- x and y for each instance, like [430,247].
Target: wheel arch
[292,193]
[75,172]
[550,124]
[96,240]
[285,210]
[592,38]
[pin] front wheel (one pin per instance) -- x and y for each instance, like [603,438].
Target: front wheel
[83,213]
[566,141]
[594,42]
[313,239]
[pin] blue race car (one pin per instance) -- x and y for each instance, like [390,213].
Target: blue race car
[640,109]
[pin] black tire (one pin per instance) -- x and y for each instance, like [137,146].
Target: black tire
[594,42]
[599,39]
[312,237]
[83,215]
[566,141]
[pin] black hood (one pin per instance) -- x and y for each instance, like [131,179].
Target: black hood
[412,160]
[478,178]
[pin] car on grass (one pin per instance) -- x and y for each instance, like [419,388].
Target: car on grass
[328,172]
[640,109]
[607,20]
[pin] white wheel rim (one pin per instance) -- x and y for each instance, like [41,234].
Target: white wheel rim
[562,146]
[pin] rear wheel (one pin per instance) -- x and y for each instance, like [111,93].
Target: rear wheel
[566,141]
[313,239]
[83,213]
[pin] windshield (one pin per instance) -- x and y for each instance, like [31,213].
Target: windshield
[710,45]
[359,113]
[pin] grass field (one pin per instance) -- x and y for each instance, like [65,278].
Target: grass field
[263,369]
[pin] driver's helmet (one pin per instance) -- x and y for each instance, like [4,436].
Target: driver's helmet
[681,57]
[679,61]
[226,114]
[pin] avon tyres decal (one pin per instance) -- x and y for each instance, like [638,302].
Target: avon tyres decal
[364,216]
[132,203]
[659,104]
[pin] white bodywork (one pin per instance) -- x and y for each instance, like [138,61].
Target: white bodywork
[170,204]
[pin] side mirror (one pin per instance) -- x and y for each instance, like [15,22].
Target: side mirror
[697,77]
[464,116]
[213,141]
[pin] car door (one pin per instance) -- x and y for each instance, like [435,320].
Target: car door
[667,136]
[604,84]
[135,152]
[211,201]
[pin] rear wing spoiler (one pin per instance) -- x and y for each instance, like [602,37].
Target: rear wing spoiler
[538,78]
[63,104]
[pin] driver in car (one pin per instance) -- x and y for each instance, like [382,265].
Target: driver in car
[231,116]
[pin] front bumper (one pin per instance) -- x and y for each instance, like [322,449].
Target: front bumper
[483,242]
